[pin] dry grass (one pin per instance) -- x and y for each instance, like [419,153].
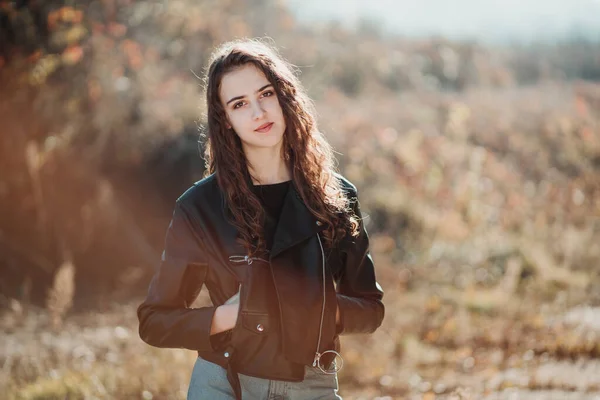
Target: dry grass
[430,347]
[60,296]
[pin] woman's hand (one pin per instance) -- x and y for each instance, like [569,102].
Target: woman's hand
[226,315]
[225,318]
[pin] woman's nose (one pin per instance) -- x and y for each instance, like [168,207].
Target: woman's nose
[257,111]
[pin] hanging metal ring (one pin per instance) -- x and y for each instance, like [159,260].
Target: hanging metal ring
[336,366]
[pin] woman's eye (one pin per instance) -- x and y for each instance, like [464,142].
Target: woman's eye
[238,104]
[268,93]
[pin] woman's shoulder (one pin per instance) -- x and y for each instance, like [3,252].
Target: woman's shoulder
[347,186]
[204,189]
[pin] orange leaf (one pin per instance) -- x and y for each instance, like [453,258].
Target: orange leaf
[34,57]
[77,16]
[94,90]
[152,55]
[72,55]
[581,106]
[67,14]
[429,396]
[130,47]
[52,20]
[587,134]
[117,30]
[98,28]
[431,336]
[136,62]
[134,53]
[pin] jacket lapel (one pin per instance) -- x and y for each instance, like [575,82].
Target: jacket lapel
[296,223]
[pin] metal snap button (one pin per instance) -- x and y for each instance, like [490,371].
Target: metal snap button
[260,327]
[226,354]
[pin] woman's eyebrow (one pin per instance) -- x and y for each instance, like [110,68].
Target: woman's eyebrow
[241,97]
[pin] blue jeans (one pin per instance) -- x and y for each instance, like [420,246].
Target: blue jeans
[209,382]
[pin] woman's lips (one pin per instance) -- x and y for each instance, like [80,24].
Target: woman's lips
[265,128]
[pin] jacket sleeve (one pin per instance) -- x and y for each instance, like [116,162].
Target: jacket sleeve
[165,317]
[358,293]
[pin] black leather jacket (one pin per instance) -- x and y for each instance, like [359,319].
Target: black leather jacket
[287,301]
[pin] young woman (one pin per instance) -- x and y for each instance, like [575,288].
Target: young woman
[275,235]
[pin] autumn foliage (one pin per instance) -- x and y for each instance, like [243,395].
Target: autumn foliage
[478,168]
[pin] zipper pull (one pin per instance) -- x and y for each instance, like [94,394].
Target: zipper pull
[240,259]
[247,259]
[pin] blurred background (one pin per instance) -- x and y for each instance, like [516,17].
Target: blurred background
[471,128]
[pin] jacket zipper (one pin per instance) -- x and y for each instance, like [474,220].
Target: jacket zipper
[317,354]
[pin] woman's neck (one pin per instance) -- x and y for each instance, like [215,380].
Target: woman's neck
[266,166]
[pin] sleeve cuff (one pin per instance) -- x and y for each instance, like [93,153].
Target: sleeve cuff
[220,340]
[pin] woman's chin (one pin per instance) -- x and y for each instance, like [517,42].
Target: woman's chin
[264,141]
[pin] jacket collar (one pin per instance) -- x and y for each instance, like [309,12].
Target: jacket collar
[296,223]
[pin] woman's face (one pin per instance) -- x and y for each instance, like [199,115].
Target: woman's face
[252,108]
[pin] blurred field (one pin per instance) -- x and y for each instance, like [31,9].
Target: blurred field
[478,169]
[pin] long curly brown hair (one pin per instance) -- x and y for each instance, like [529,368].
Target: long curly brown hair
[305,150]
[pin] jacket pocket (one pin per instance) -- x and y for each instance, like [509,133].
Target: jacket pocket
[257,323]
[253,345]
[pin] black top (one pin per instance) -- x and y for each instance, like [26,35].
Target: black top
[272,197]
